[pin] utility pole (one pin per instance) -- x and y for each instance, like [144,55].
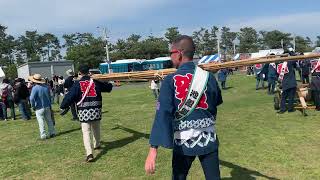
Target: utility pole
[294,42]
[48,52]
[218,42]
[105,37]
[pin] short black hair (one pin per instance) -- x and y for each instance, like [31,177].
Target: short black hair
[186,45]
[6,80]
[84,69]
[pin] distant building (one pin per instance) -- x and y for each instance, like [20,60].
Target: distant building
[129,65]
[46,69]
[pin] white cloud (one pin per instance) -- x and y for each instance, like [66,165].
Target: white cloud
[306,24]
[64,15]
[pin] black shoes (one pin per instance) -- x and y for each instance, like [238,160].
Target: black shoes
[89,158]
[64,111]
[281,112]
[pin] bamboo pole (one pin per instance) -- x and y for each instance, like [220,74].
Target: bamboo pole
[213,67]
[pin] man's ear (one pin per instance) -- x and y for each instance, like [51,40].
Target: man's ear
[180,56]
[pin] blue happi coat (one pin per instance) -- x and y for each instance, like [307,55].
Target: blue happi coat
[289,79]
[166,130]
[222,75]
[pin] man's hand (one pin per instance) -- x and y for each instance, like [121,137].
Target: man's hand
[150,165]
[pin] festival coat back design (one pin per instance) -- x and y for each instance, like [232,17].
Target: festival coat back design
[173,92]
[90,108]
[289,79]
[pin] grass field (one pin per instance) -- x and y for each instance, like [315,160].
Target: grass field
[255,142]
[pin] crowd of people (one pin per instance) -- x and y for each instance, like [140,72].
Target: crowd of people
[283,76]
[186,107]
[80,93]
[17,92]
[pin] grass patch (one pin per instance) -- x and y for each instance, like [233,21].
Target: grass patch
[255,142]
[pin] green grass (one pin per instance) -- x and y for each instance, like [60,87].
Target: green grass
[255,142]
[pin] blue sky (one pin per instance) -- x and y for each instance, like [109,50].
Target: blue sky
[124,17]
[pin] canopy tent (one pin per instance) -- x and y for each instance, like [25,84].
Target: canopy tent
[2,75]
[267,52]
[209,58]
[236,57]
[316,50]
[160,59]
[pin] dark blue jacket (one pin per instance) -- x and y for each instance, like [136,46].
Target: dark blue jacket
[90,108]
[272,72]
[289,79]
[305,67]
[222,75]
[68,82]
[174,88]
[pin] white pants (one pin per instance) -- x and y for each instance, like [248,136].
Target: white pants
[44,115]
[93,126]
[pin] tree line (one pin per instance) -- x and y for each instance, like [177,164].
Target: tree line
[86,48]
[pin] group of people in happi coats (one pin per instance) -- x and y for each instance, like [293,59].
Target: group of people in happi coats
[284,74]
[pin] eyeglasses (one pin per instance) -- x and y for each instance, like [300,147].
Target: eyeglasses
[174,51]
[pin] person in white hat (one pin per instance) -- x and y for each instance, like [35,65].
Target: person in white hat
[41,102]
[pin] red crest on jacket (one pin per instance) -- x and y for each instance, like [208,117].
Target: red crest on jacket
[92,91]
[182,84]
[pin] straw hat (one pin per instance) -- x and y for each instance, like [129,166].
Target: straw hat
[36,78]
[70,72]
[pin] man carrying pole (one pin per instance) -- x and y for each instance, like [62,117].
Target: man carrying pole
[287,80]
[86,94]
[186,115]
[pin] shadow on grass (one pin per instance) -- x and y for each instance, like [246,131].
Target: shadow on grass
[230,87]
[68,131]
[239,173]
[107,146]
[104,112]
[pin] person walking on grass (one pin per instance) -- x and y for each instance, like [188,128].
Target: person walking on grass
[222,77]
[186,116]
[68,83]
[288,82]
[86,94]
[259,75]
[21,96]
[155,88]
[6,92]
[41,103]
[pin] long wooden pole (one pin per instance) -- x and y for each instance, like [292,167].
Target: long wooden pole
[213,67]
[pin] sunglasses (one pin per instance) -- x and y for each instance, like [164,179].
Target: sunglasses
[174,51]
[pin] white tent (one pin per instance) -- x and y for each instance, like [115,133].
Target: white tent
[209,58]
[267,52]
[2,75]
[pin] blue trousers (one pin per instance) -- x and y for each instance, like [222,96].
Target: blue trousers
[209,162]
[288,94]
[23,108]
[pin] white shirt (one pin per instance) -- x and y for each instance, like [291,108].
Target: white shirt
[154,85]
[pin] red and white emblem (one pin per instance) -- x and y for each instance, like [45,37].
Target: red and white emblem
[182,84]
[92,91]
[279,68]
[258,66]
[315,65]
